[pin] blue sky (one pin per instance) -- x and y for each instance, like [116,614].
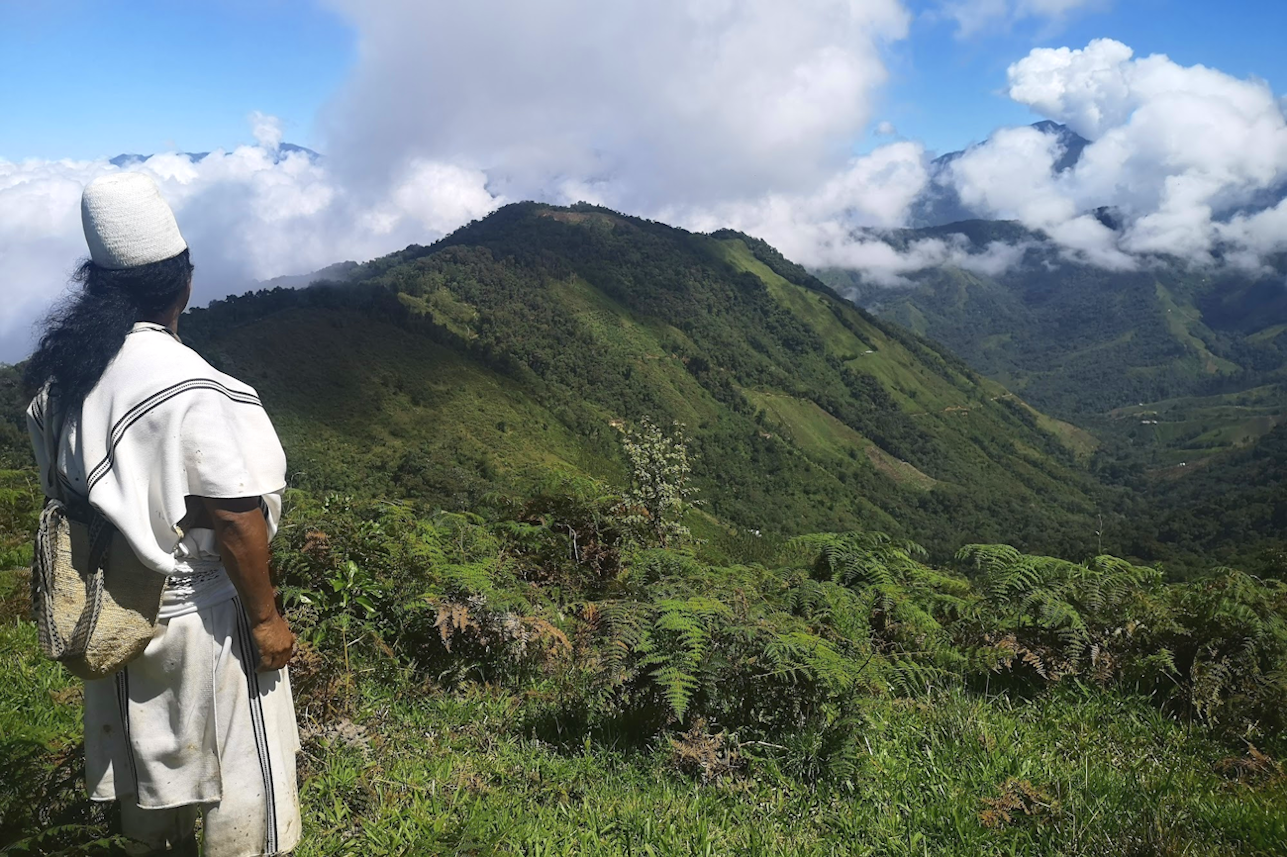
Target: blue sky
[100,78]
[947,90]
[758,115]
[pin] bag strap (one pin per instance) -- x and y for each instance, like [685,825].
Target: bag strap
[78,505]
[100,539]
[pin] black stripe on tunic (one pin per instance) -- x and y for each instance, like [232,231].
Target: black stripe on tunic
[143,408]
[123,702]
[248,665]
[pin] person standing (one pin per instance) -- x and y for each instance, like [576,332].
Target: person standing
[185,464]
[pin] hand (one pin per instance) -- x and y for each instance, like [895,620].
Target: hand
[275,642]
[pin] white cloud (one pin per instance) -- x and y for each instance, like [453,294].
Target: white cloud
[246,216]
[817,227]
[40,239]
[976,16]
[1012,176]
[884,265]
[1251,237]
[266,129]
[1173,149]
[676,102]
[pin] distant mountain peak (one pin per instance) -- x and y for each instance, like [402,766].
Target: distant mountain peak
[940,204]
[279,154]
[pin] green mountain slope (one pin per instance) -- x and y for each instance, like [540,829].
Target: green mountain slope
[528,338]
[1231,510]
[1112,351]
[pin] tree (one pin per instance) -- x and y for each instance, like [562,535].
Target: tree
[659,492]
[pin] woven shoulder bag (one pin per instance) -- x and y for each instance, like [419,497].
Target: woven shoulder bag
[95,604]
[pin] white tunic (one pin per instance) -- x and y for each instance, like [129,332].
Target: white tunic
[190,723]
[161,424]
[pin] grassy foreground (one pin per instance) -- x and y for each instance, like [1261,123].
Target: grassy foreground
[407,769]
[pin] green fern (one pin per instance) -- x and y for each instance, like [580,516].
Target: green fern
[801,658]
[673,649]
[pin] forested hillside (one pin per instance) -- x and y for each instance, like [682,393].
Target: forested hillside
[527,340]
[1175,362]
[1232,511]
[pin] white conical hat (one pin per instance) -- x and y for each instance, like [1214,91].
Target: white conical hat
[127,222]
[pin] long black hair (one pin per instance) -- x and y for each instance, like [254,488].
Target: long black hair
[83,334]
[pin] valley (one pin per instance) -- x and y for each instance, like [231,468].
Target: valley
[1169,365]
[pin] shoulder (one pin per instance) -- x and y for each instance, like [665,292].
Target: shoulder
[173,367]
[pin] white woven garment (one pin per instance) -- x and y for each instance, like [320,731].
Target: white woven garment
[161,425]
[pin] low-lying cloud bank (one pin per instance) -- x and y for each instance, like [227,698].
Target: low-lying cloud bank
[424,138]
[1175,151]
[248,214]
[1189,163]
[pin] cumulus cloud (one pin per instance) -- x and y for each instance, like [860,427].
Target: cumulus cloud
[668,103]
[710,111]
[976,16]
[819,225]
[266,129]
[1012,176]
[248,214]
[1174,150]
[1190,163]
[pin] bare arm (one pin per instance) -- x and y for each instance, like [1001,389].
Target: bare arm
[242,536]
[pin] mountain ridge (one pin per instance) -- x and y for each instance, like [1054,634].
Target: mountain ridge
[521,344]
[805,411]
[939,204]
[279,152]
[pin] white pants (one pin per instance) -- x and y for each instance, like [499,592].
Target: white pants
[190,727]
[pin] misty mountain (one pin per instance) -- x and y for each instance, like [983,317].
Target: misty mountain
[940,204]
[282,150]
[339,272]
[1181,363]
